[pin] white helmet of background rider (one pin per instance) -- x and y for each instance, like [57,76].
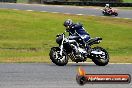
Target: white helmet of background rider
[107,5]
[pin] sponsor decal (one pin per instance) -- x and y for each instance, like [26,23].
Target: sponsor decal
[83,78]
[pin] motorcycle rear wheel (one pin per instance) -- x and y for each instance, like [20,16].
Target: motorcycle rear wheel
[103,59]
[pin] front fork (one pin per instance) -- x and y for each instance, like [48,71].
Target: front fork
[61,46]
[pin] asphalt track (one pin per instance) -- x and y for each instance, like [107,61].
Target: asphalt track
[42,75]
[64,9]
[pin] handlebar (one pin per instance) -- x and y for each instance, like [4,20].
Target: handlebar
[61,34]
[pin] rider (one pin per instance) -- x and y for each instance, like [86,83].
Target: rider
[76,29]
[108,8]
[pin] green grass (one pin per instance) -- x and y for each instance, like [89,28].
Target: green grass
[28,36]
[22,1]
[127,1]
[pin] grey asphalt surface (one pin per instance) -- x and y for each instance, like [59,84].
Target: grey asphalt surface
[42,75]
[64,9]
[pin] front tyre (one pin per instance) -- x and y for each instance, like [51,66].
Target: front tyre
[116,14]
[56,58]
[104,13]
[100,59]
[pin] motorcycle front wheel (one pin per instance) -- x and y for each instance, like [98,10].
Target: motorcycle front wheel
[116,14]
[100,59]
[104,13]
[56,58]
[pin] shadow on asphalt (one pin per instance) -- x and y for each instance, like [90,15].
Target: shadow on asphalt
[76,65]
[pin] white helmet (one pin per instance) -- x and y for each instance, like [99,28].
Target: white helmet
[107,5]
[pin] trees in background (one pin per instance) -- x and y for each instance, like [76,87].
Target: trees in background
[8,1]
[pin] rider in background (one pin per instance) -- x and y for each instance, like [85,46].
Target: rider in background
[108,8]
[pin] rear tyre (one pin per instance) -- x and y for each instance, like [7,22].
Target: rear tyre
[56,58]
[100,59]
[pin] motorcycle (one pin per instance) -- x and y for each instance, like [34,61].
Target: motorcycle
[109,12]
[78,51]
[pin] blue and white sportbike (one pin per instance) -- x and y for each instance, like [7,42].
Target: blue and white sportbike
[77,50]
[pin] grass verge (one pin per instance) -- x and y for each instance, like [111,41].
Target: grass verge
[28,36]
[22,1]
[129,1]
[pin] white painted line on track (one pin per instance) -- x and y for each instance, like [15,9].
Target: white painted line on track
[55,12]
[74,14]
[10,3]
[65,13]
[79,14]
[43,11]
[29,10]
[80,7]
[127,18]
